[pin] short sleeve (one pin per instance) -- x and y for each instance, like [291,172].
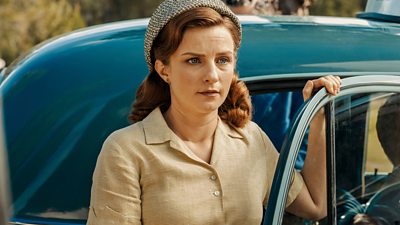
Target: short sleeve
[115,194]
[273,155]
[295,187]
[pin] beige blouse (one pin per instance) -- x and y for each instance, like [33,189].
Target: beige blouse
[145,174]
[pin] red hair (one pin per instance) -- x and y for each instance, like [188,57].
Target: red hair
[154,92]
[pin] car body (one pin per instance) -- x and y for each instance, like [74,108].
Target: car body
[65,96]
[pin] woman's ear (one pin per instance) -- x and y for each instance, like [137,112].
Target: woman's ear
[162,70]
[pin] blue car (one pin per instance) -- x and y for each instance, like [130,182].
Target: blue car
[65,96]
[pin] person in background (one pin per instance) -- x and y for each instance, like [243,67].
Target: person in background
[2,64]
[270,7]
[246,7]
[388,131]
[192,154]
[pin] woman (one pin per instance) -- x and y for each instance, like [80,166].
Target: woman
[192,155]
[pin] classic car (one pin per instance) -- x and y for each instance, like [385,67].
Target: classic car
[65,96]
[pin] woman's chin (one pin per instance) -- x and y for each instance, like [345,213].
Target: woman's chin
[209,107]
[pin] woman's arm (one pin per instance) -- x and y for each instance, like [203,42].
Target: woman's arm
[311,201]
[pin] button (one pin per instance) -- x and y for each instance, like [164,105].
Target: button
[213,177]
[216,193]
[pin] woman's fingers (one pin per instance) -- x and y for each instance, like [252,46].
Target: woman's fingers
[308,89]
[330,82]
[334,83]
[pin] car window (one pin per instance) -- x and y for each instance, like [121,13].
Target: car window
[274,113]
[367,158]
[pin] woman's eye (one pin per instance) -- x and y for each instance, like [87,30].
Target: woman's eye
[223,60]
[194,61]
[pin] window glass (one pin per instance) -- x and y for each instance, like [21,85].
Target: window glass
[274,112]
[377,160]
[367,127]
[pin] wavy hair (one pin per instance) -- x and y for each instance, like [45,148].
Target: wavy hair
[154,92]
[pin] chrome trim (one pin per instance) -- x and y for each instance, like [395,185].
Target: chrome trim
[291,76]
[331,160]
[17,223]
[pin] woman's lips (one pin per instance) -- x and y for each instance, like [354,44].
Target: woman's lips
[210,93]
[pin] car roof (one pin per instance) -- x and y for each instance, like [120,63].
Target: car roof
[319,44]
[287,44]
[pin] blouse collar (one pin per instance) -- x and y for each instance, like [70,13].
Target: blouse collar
[156,130]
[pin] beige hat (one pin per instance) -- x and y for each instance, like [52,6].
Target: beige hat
[171,8]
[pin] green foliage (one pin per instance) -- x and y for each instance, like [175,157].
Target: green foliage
[101,11]
[344,8]
[25,23]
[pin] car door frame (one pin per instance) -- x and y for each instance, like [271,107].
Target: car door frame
[291,146]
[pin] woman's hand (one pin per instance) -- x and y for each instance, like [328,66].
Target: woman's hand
[330,82]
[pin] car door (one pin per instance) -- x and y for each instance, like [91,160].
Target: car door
[349,116]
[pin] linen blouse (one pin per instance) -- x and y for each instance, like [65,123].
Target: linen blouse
[145,174]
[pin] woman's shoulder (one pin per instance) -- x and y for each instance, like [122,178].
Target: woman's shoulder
[254,132]
[128,134]
[251,128]
[250,131]
[152,129]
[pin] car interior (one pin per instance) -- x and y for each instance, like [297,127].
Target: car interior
[363,170]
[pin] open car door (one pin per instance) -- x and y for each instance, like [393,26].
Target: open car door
[360,177]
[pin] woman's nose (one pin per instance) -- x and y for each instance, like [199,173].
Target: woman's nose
[211,73]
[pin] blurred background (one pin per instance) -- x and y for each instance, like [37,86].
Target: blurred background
[25,23]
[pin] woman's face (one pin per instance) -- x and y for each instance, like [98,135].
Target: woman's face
[200,71]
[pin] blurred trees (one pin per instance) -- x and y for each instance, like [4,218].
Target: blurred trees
[283,7]
[25,23]
[337,7]
[101,11]
[295,7]
[311,7]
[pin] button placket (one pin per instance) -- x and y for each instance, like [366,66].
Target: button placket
[216,192]
[213,177]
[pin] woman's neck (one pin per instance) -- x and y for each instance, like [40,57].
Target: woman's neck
[190,127]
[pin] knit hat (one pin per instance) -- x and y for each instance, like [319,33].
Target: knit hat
[170,9]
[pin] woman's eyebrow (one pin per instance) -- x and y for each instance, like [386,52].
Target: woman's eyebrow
[200,55]
[225,53]
[192,54]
